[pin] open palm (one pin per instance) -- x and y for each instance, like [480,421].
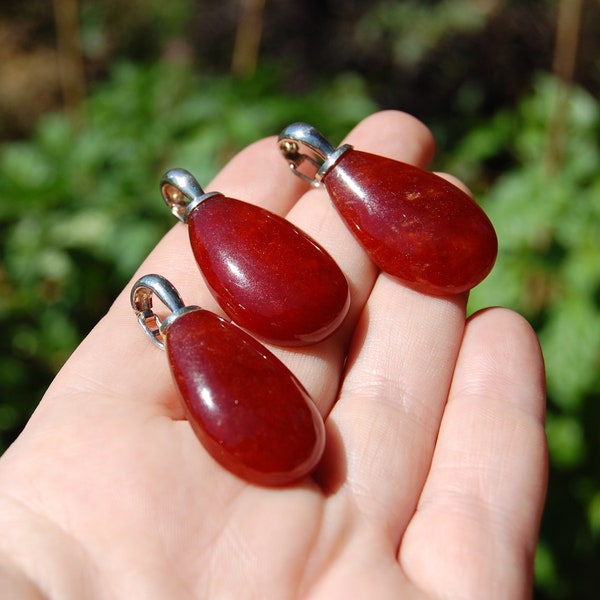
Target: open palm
[433,477]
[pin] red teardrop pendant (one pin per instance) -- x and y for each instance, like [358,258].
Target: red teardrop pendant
[413,224]
[248,410]
[267,275]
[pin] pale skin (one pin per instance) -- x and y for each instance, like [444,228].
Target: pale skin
[434,474]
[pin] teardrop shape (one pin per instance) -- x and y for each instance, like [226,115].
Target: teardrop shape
[248,410]
[413,224]
[266,274]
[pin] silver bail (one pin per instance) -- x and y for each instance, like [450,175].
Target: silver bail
[182,192]
[300,143]
[141,302]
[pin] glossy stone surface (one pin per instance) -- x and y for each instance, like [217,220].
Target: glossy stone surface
[266,274]
[248,410]
[413,224]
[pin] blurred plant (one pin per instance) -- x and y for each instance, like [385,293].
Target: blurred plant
[416,27]
[548,223]
[80,209]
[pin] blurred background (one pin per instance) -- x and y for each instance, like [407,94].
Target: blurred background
[99,97]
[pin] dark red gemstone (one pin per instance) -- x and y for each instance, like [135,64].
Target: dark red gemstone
[267,275]
[248,410]
[412,223]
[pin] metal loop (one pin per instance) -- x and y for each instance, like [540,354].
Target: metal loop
[310,180]
[141,302]
[182,192]
[321,154]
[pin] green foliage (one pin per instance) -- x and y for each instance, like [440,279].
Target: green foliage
[548,223]
[416,27]
[80,209]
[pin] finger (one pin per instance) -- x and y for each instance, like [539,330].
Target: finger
[392,134]
[397,380]
[478,516]
[259,176]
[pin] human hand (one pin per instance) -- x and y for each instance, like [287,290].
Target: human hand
[433,478]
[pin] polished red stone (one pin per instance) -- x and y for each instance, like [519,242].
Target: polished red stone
[266,274]
[413,224]
[248,410]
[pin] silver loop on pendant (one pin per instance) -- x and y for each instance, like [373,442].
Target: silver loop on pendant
[321,154]
[182,192]
[141,302]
